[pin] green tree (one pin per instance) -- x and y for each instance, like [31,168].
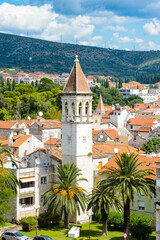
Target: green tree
[151,145]
[2,83]
[23,88]
[13,84]
[36,83]
[46,84]
[66,194]
[106,84]
[103,200]
[7,178]
[4,114]
[95,101]
[126,179]
[10,86]
[5,197]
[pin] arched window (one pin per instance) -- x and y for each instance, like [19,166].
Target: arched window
[80,110]
[73,111]
[87,110]
[66,111]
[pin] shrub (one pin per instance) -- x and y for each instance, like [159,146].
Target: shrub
[115,221]
[97,217]
[140,226]
[28,224]
[44,219]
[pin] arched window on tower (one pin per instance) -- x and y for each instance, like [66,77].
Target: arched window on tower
[87,111]
[66,111]
[80,111]
[73,112]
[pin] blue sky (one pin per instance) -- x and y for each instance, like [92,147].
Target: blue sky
[118,24]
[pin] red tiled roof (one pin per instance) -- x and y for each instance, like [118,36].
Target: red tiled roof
[144,129]
[141,121]
[7,124]
[95,132]
[52,141]
[76,81]
[100,107]
[108,148]
[107,115]
[104,121]
[147,163]
[20,140]
[112,133]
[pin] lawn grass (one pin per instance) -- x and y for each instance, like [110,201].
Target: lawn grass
[57,232]
[2,225]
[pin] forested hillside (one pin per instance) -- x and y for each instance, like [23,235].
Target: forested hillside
[38,55]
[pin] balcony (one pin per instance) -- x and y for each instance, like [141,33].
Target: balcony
[26,170]
[25,208]
[27,190]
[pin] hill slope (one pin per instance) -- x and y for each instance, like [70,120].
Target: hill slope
[51,57]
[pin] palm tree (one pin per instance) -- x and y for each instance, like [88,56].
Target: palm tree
[7,177]
[103,200]
[66,194]
[126,178]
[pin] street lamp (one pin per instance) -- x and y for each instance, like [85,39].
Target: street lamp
[36,208]
[89,215]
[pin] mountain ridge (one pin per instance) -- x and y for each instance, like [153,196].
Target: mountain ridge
[30,54]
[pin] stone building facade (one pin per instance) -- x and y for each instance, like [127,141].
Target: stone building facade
[77,128]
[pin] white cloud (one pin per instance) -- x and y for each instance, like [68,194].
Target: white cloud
[125,39]
[139,40]
[153,46]
[117,28]
[42,22]
[25,18]
[152,28]
[116,35]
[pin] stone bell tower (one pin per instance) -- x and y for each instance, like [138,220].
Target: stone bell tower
[77,127]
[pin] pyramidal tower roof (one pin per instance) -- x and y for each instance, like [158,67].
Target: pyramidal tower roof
[76,82]
[100,107]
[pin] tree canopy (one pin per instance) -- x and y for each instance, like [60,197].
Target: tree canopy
[151,145]
[66,194]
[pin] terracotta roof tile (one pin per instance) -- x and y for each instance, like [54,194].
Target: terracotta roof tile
[148,163]
[144,129]
[100,107]
[20,140]
[109,149]
[112,133]
[107,115]
[141,121]
[52,141]
[95,132]
[49,124]
[7,124]
[104,121]
[76,82]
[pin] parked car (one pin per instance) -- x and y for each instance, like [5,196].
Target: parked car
[42,237]
[13,235]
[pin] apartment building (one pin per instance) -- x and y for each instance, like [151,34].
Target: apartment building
[34,175]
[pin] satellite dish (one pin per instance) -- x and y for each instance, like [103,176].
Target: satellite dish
[40,114]
[29,118]
[37,161]
[116,150]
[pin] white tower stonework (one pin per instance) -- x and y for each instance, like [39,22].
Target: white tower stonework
[77,128]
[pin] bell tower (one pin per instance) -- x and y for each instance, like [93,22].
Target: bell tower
[77,127]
